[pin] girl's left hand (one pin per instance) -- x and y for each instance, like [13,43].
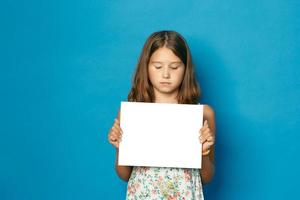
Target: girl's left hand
[207,138]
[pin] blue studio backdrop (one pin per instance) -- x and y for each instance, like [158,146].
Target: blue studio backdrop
[67,65]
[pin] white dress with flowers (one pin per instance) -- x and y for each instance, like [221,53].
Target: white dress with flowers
[164,183]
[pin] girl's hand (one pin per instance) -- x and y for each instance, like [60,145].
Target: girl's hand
[115,134]
[207,138]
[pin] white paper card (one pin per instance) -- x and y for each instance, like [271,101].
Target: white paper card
[160,135]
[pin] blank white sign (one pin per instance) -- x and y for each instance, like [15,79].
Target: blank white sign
[160,135]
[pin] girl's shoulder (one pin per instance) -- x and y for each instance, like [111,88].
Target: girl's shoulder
[208,111]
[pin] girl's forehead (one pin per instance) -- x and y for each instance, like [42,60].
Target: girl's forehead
[161,62]
[164,55]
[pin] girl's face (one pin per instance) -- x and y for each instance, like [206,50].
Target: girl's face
[166,72]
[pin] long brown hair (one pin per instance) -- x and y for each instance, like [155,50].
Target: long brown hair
[142,89]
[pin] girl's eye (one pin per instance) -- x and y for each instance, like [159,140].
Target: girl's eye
[157,66]
[174,66]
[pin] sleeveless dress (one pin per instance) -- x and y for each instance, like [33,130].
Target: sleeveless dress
[161,183]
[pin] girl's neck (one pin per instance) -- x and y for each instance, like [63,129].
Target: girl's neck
[166,98]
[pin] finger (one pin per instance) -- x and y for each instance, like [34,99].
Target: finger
[205,123]
[201,136]
[210,140]
[117,121]
[119,129]
[115,136]
[120,138]
[117,126]
[206,132]
[116,131]
[116,144]
[112,138]
[202,139]
[208,143]
[204,128]
[206,136]
[206,146]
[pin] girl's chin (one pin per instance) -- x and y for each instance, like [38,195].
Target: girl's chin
[166,91]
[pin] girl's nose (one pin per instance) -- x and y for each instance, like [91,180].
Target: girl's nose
[166,73]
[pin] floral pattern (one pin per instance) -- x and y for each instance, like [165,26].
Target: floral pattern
[158,183]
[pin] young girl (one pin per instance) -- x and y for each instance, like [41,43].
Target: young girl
[165,74]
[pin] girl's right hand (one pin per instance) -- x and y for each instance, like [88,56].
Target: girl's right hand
[115,134]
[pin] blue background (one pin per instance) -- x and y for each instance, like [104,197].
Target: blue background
[66,65]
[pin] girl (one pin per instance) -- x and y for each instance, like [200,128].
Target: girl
[165,74]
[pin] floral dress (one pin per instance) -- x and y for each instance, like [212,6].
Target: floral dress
[164,184]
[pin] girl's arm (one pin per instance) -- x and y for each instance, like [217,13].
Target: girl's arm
[123,172]
[115,136]
[208,161]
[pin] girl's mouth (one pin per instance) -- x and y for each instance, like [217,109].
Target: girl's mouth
[165,83]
